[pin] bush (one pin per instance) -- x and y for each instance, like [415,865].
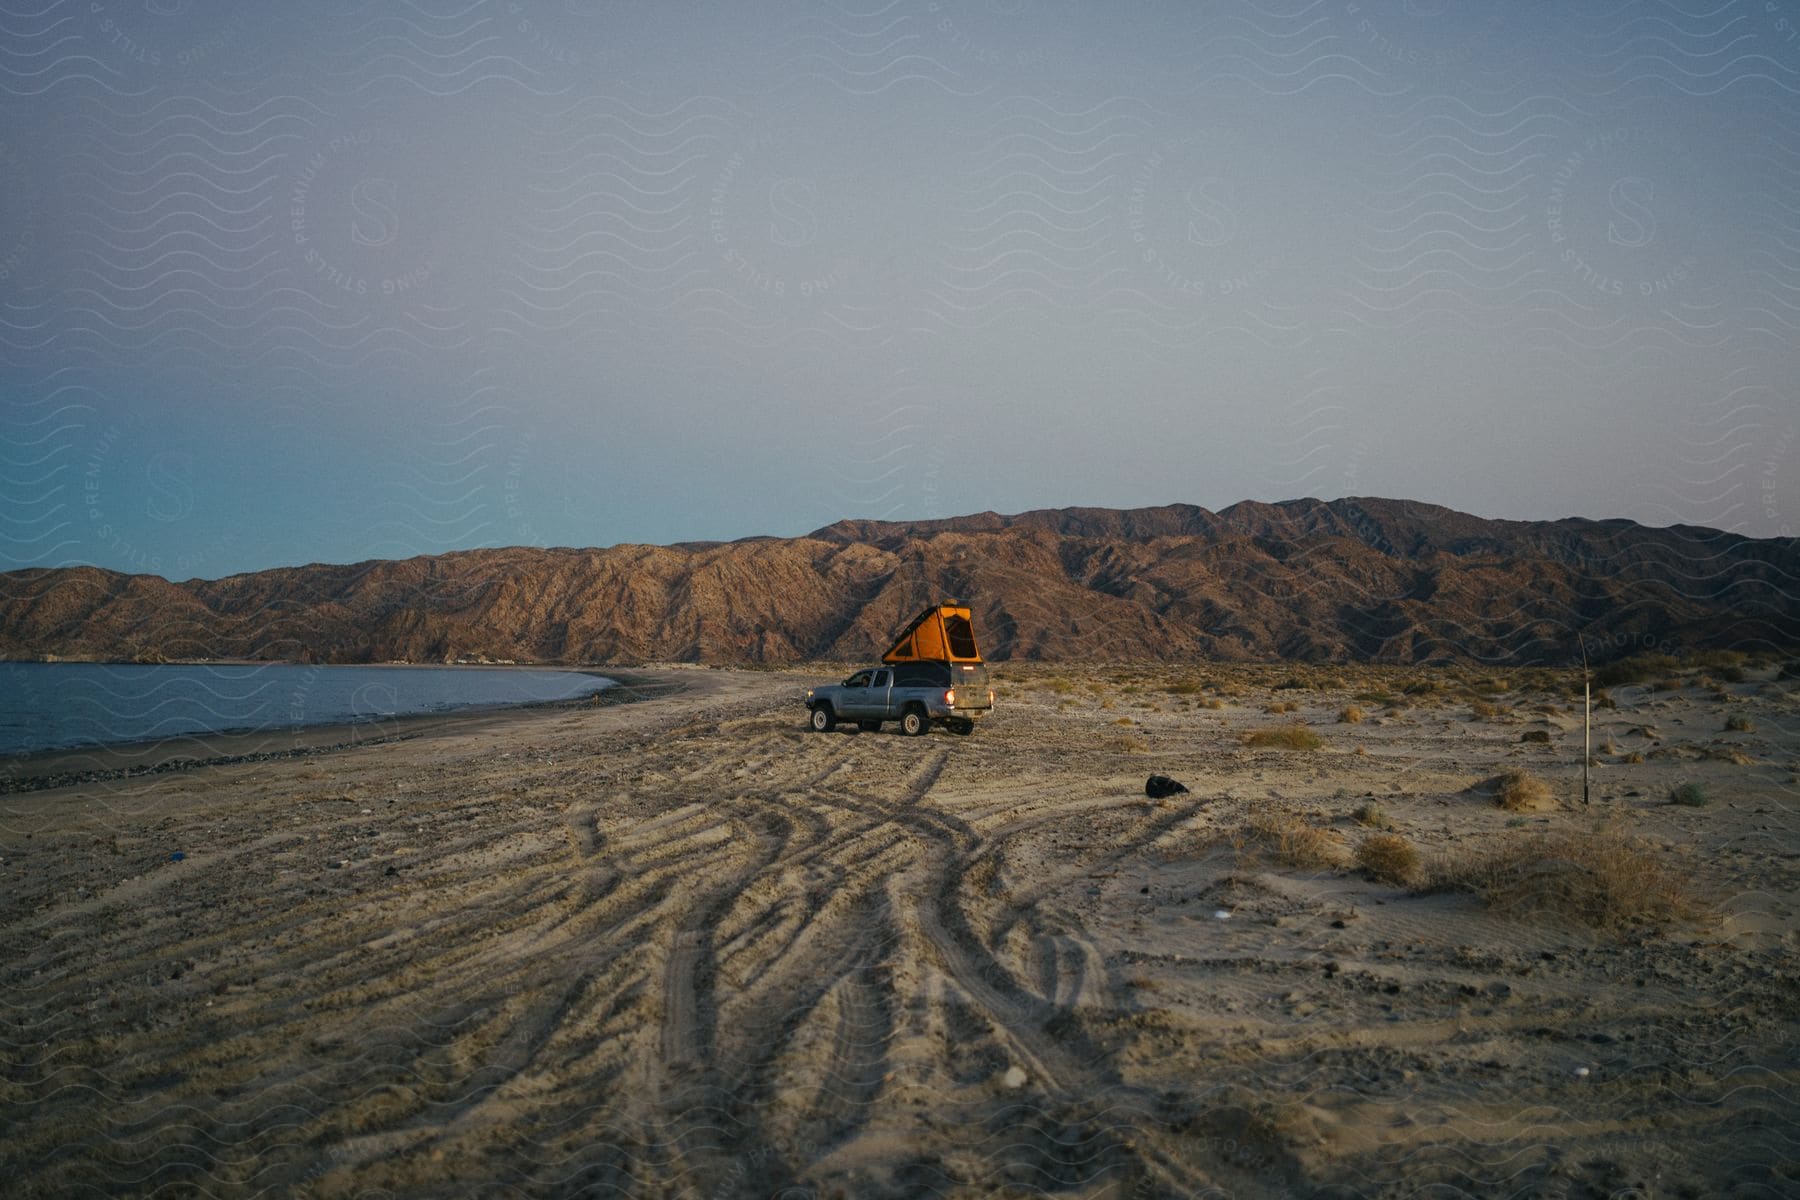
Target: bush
[1389,858]
[1369,813]
[1283,737]
[1350,716]
[1599,879]
[1281,706]
[1688,795]
[1635,669]
[1295,843]
[1541,736]
[1521,791]
[1481,708]
[1213,703]
[1738,723]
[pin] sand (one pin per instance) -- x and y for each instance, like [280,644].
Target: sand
[684,947]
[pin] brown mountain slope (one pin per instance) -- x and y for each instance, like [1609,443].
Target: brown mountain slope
[1355,579]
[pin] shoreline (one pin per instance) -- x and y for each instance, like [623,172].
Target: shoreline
[47,770]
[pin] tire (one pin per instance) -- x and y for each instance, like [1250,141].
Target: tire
[823,720]
[913,721]
[869,726]
[961,726]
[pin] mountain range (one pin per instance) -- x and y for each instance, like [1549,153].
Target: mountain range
[1342,580]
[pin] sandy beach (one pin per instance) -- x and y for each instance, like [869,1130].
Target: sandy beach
[684,947]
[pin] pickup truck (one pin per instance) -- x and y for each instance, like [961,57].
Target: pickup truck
[916,694]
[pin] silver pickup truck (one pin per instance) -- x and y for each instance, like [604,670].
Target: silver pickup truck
[916,694]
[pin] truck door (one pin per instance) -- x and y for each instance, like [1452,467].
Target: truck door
[878,696]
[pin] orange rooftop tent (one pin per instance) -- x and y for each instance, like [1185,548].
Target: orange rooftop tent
[942,633]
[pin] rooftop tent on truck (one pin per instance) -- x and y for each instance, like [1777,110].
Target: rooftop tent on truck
[942,633]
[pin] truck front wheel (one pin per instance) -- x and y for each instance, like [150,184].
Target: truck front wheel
[823,719]
[913,721]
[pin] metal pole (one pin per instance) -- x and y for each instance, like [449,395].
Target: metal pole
[1587,720]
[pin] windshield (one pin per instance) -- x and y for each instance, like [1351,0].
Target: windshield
[860,679]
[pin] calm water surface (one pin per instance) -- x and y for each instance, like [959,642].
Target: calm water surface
[47,706]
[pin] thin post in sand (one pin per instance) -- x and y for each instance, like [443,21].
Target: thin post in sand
[1587,718]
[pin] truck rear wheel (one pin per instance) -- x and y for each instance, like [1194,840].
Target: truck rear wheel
[823,719]
[913,721]
[960,725]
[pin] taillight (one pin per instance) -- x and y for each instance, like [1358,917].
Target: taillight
[950,697]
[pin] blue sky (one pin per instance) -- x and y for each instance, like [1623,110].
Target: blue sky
[375,280]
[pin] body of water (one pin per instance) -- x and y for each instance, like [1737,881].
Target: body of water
[45,706]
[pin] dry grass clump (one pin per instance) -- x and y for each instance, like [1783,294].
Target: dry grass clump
[1521,791]
[1634,756]
[1485,711]
[1129,744]
[1059,684]
[1729,754]
[1350,715]
[1739,723]
[1600,879]
[1390,858]
[1184,687]
[1281,706]
[1283,737]
[1294,842]
[1370,813]
[1212,702]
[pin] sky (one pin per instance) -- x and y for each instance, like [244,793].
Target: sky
[294,283]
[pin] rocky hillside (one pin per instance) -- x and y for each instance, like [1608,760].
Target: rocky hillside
[1354,579]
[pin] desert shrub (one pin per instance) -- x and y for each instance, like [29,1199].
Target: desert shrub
[1604,699]
[1599,879]
[1283,737]
[1389,858]
[1291,683]
[1540,736]
[1129,744]
[1421,687]
[1716,658]
[1369,813]
[1688,795]
[1667,685]
[1350,716]
[1635,669]
[1634,756]
[1730,754]
[1124,721]
[1060,685]
[1281,706]
[1607,747]
[1521,791]
[1183,687]
[1212,703]
[1481,708]
[1294,842]
[1739,723]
